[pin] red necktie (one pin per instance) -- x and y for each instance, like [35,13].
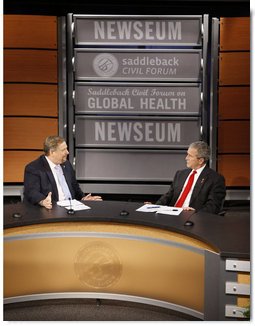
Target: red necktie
[186,190]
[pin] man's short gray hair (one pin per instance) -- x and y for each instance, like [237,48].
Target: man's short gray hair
[203,150]
[51,143]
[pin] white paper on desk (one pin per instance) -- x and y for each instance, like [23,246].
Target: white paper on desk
[78,207]
[64,203]
[73,204]
[169,210]
[160,209]
[149,208]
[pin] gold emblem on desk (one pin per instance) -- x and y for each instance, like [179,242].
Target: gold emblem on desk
[97,265]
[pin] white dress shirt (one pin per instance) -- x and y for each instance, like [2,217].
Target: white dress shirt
[187,200]
[52,165]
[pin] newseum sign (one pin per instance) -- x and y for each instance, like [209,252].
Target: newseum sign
[136,98]
[137,30]
[134,132]
[133,65]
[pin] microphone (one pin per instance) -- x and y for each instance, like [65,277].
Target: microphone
[124,212]
[70,211]
[17,215]
[188,222]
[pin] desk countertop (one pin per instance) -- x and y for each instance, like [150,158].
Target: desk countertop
[229,235]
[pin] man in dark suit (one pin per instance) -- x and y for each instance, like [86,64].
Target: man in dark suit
[51,177]
[208,190]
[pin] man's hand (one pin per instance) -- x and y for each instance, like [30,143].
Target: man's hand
[90,197]
[188,209]
[47,202]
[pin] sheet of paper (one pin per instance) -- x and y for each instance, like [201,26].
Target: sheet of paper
[169,210]
[78,207]
[64,203]
[148,208]
[160,209]
[73,204]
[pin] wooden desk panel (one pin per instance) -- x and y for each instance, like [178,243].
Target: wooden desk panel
[234,68]
[211,229]
[30,31]
[234,33]
[116,264]
[30,66]
[144,256]
[28,133]
[31,100]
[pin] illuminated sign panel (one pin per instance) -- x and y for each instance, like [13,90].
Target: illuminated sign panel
[137,30]
[137,95]
[133,132]
[138,98]
[128,164]
[133,65]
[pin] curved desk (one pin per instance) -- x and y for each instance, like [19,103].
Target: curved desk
[142,257]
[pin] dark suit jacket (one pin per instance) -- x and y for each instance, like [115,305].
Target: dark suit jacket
[39,181]
[207,196]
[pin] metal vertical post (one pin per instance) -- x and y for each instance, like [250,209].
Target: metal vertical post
[70,87]
[62,87]
[204,117]
[214,92]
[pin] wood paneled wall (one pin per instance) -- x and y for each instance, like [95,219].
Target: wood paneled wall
[30,66]
[30,89]
[31,94]
[234,101]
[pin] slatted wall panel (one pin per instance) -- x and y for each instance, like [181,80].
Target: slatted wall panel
[30,89]
[234,101]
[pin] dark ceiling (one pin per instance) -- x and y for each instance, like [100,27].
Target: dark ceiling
[216,8]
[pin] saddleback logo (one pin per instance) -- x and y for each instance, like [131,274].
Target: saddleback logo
[105,65]
[97,265]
